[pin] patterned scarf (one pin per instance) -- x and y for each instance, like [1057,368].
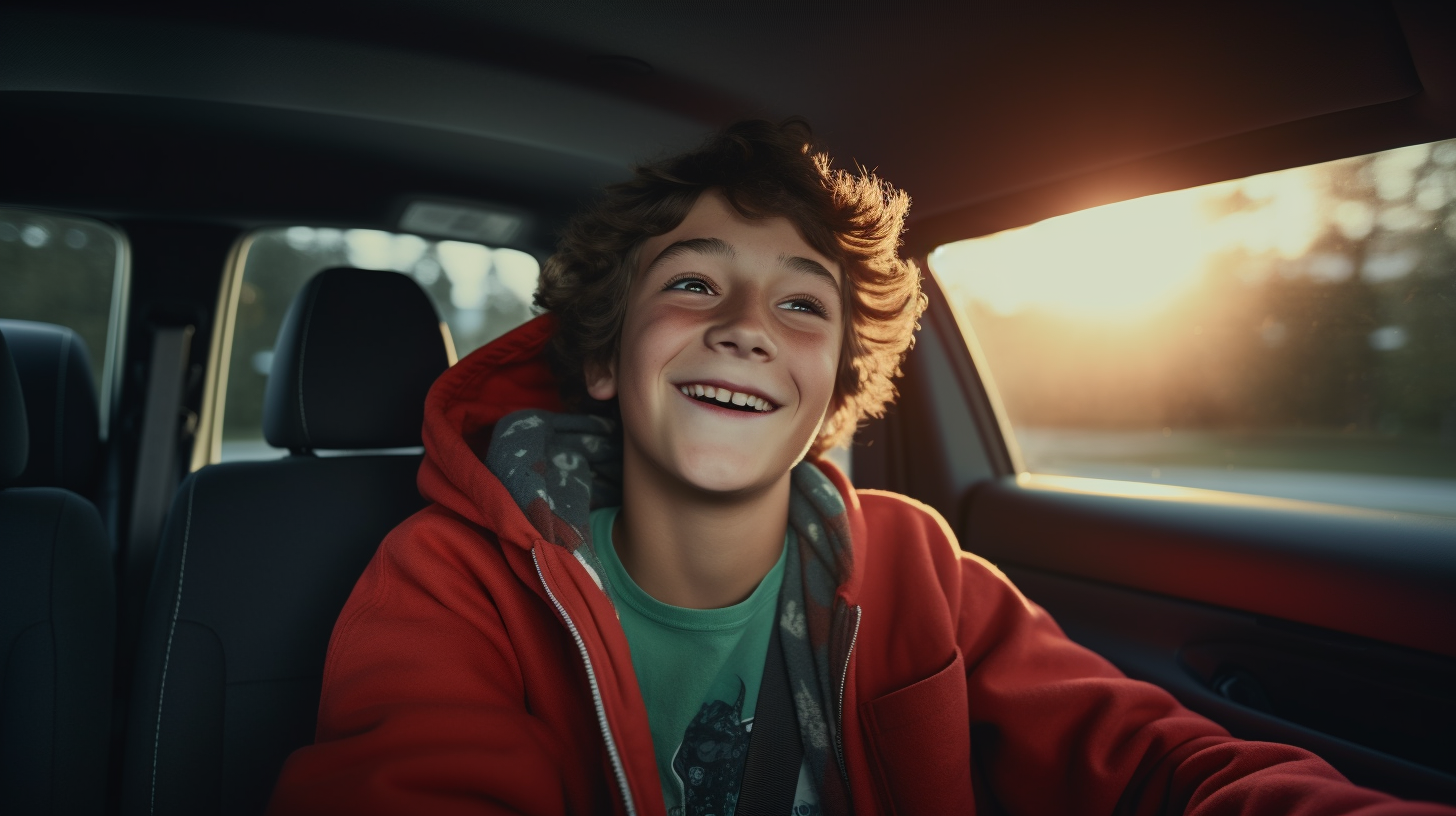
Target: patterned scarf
[560,467]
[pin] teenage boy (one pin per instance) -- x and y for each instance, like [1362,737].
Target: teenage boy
[636,554]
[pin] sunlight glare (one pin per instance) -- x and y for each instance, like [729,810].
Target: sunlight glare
[467,266]
[1128,259]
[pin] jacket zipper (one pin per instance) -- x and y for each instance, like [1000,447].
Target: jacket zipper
[843,681]
[595,689]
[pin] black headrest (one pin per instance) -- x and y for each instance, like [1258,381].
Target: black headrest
[60,404]
[355,357]
[14,439]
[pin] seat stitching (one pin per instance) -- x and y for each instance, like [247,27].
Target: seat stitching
[171,631]
[61,411]
[302,351]
[55,647]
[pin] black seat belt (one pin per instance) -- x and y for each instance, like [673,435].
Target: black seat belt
[775,748]
[156,472]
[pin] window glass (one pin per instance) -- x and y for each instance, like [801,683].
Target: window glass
[480,292]
[71,272]
[1291,334]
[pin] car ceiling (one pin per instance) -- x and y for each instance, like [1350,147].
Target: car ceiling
[991,115]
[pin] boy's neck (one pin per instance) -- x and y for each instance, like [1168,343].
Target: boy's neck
[689,548]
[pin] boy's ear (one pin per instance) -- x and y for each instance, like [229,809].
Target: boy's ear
[601,380]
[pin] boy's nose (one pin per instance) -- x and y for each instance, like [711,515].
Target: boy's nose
[741,331]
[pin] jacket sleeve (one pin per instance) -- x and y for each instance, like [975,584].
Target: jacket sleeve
[422,708]
[1057,729]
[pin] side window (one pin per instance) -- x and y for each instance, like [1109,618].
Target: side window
[1291,334]
[479,291]
[72,272]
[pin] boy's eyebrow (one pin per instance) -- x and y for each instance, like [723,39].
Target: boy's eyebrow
[809,267]
[702,246]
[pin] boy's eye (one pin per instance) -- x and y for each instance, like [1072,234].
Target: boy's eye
[697,285]
[804,305]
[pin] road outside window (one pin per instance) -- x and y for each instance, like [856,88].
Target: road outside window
[479,291]
[1291,334]
[68,271]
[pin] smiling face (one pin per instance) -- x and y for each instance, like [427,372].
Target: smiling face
[728,352]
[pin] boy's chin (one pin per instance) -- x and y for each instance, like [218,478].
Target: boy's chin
[727,474]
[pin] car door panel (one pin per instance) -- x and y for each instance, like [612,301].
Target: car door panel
[1325,627]
[1221,662]
[1376,575]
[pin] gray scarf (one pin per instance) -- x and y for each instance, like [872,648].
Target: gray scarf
[560,467]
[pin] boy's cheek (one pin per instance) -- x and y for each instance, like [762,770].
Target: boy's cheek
[815,361]
[651,340]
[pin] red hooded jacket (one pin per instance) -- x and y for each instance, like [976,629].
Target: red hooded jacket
[478,669]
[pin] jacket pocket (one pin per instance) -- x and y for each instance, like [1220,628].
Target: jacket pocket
[920,744]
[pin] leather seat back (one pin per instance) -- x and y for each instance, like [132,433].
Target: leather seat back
[57,632]
[60,405]
[258,558]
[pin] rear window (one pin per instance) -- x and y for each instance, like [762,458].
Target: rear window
[1290,334]
[480,292]
[72,272]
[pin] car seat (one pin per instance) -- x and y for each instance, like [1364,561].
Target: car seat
[60,406]
[57,632]
[257,558]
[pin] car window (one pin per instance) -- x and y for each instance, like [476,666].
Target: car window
[72,272]
[1291,334]
[480,292]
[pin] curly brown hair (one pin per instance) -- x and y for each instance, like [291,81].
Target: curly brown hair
[765,170]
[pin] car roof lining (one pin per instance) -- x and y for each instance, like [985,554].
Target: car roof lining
[989,116]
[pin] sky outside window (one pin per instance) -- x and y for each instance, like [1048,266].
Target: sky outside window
[1288,334]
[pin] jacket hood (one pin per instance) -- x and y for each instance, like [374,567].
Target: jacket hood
[497,451]
[462,410]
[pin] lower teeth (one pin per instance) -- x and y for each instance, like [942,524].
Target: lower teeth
[720,404]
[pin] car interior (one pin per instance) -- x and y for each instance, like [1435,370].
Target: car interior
[172,571]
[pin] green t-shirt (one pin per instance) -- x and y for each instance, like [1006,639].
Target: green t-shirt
[699,670]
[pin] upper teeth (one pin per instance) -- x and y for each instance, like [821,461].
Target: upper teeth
[724,395]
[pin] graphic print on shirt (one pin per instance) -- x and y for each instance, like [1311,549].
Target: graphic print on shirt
[709,760]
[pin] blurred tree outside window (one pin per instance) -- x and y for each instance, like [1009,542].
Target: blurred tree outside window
[69,271]
[480,292]
[1291,334]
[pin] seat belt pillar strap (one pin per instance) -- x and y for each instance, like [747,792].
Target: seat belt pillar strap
[156,472]
[775,747]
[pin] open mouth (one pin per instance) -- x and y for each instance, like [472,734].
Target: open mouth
[726,398]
